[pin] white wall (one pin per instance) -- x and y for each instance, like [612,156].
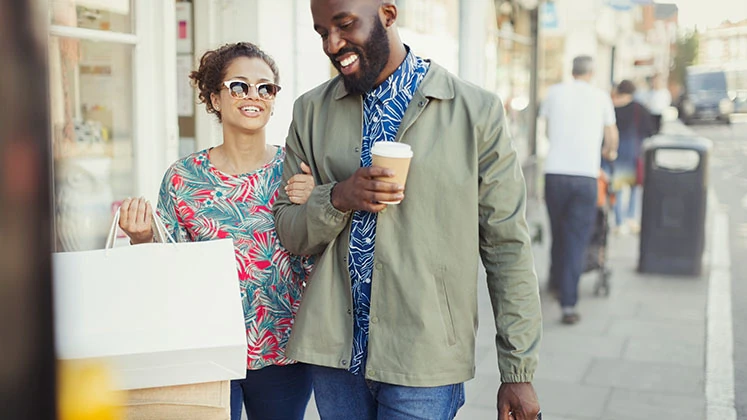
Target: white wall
[288,37]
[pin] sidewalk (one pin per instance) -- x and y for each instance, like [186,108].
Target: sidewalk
[637,354]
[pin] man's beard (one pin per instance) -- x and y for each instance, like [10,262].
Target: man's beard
[372,60]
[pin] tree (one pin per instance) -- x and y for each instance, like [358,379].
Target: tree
[686,54]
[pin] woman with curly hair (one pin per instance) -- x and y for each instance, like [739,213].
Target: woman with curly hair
[227,191]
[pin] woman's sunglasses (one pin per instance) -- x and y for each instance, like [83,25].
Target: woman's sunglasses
[240,89]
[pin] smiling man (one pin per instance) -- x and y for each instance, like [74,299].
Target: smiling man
[389,316]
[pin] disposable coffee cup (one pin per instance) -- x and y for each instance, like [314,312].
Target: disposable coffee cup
[394,156]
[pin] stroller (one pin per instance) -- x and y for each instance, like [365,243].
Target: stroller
[596,251]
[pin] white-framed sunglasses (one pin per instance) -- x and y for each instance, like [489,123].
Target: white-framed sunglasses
[239,89]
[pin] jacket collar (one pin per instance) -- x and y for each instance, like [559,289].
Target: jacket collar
[436,84]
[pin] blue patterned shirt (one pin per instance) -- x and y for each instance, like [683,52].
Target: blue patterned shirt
[383,110]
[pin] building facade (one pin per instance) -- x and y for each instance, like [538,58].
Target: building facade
[123,109]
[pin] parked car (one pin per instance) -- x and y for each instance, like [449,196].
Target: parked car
[705,96]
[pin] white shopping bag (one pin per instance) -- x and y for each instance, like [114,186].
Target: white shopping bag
[159,314]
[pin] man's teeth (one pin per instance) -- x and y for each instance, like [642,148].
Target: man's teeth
[348,61]
[250,109]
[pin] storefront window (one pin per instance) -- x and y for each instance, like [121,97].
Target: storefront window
[514,77]
[91,101]
[100,15]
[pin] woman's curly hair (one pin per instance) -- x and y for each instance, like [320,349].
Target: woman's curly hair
[213,64]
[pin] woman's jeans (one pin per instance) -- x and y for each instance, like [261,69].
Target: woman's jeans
[340,395]
[632,206]
[272,393]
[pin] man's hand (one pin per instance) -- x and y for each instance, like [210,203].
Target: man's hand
[517,401]
[363,192]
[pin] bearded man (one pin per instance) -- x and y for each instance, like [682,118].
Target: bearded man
[389,316]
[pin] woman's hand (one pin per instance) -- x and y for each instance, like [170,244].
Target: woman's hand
[136,220]
[300,186]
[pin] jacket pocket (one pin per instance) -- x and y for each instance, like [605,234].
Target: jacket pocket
[445,309]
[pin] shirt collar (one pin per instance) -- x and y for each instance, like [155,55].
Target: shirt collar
[396,81]
[436,84]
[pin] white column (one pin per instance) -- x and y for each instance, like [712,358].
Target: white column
[156,141]
[472,39]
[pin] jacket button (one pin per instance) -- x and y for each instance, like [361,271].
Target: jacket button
[375,320]
[344,362]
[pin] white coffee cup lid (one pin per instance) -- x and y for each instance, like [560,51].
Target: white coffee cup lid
[391,149]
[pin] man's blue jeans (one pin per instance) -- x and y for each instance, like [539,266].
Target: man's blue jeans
[572,205]
[272,393]
[340,395]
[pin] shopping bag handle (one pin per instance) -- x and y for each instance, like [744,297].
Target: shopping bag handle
[160,233]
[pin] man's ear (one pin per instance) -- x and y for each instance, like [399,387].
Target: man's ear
[388,13]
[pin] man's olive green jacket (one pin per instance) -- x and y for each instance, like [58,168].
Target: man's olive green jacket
[465,194]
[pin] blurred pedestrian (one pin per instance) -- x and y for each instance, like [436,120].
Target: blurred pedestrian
[634,124]
[228,191]
[657,100]
[580,122]
[389,317]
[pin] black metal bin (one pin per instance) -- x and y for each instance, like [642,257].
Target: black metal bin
[675,195]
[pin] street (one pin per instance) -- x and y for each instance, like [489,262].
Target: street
[729,179]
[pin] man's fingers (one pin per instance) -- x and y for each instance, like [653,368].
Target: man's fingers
[386,197]
[377,171]
[384,186]
[305,168]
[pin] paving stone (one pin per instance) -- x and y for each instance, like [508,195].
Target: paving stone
[676,330]
[571,400]
[552,416]
[634,405]
[476,413]
[563,366]
[565,341]
[646,377]
[664,350]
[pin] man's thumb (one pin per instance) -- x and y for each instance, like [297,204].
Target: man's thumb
[305,168]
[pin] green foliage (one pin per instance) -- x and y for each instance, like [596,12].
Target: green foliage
[686,54]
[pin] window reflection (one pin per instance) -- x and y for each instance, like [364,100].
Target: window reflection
[102,15]
[91,112]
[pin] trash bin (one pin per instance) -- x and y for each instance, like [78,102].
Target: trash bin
[675,194]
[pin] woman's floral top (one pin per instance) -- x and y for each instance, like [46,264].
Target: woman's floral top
[198,202]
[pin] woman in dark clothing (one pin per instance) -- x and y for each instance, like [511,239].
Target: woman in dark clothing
[634,124]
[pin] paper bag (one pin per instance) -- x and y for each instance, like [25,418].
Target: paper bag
[159,314]
[208,401]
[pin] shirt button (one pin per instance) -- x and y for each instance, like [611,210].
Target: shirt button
[344,362]
[357,149]
[375,320]
[421,104]
[370,372]
[350,312]
[378,266]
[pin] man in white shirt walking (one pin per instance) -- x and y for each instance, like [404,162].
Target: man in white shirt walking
[657,100]
[580,121]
